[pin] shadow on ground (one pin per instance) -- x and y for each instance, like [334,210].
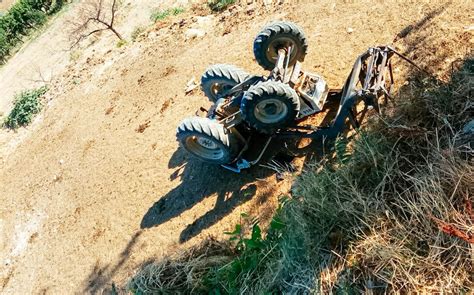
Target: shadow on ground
[199,181]
[101,275]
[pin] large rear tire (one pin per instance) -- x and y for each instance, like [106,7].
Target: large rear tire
[208,140]
[269,106]
[219,78]
[279,35]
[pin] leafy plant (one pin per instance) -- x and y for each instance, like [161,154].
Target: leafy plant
[23,17]
[162,14]
[252,254]
[219,5]
[121,43]
[26,105]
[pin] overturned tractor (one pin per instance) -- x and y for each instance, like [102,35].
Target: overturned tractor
[247,108]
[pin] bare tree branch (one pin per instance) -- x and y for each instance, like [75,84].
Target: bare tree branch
[97,16]
[114,9]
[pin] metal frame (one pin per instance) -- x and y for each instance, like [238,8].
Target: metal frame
[371,78]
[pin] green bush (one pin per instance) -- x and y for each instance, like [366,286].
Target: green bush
[26,105]
[255,254]
[23,17]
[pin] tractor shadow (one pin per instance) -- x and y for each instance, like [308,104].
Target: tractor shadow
[198,182]
[99,279]
[201,180]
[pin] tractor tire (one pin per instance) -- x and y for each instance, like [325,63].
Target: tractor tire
[219,78]
[269,106]
[276,36]
[208,140]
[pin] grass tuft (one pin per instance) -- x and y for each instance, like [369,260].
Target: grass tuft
[219,5]
[26,105]
[121,43]
[136,32]
[391,213]
[184,273]
[158,15]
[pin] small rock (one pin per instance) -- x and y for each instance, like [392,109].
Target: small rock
[349,30]
[225,14]
[250,9]
[205,20]
[190,86]
[152,35]
[194,33]
[469,28]
[61,162]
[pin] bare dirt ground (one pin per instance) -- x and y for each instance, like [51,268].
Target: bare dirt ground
[5,4]
[98,185]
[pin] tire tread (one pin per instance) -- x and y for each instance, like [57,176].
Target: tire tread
[222,72]
[270,31]
[264,89]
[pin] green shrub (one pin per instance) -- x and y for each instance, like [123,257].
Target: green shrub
[23,17]
[254,255]
[219,5]
[216,267]
[162,14]
[26,105]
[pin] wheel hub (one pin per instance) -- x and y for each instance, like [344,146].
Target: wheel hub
[219,88]
[281,43]
[206,143]
[204,148]
[270,111]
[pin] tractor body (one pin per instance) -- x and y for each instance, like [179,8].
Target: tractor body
[249,112]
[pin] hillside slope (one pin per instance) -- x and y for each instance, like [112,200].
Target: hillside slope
[100,186]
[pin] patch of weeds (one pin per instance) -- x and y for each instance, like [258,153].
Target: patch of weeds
[121,43]
[158,15]
[255,253]
[219,5]
[136,32]
[26,105]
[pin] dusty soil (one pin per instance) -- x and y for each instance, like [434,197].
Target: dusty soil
[5,4]
[98,185]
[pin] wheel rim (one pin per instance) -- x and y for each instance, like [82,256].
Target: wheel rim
[270,111]
[204,148]
[217,88]
[279,43]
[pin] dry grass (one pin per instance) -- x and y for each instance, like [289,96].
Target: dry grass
[398,216]
[184,273]
[394,217]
